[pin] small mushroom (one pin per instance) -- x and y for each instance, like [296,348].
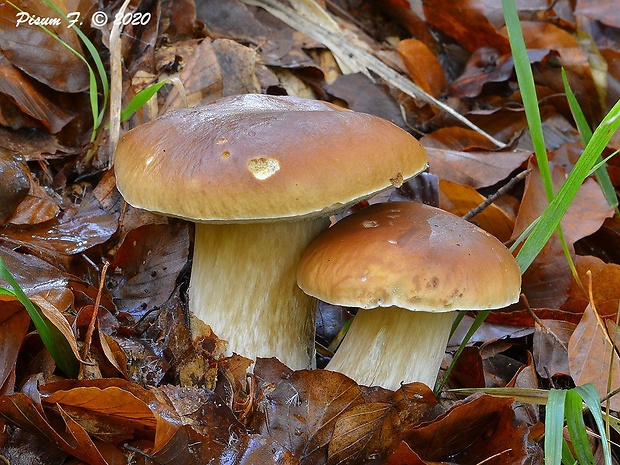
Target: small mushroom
[259,175]
[414,265]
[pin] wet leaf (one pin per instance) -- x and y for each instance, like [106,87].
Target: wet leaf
[35,52]
[16,187]
[24,93]
[481,428]
[146,267]
[21,410]
[302,409]
[14,322]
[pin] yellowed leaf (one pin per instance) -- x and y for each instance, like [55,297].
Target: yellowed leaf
[459,199]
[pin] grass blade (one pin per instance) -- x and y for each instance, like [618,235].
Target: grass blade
[550,219]
[52,338]
[141,98]
[590,397]
[577,428]
[602,176]
[554,425]
[525,79]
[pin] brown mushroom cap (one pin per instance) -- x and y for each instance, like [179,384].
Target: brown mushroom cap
[258,158]
[412,256]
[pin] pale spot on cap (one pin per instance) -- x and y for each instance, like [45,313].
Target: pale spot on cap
[263,168]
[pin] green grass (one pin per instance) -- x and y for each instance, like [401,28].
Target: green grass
[56,344]
[562,406]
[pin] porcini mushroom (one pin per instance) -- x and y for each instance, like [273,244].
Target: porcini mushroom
[259,175]
[414,265]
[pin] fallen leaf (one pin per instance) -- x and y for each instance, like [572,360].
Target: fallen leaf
[364,432]
[481,429]
[455,155]
[14,322]
[15,188]
[22,411]
[550,347]
[144,272]
[591,354]
[605,287]
[423,66]
[24,93]
[459,199]
[36,52]
[466,22]
[361,94]
[301,409]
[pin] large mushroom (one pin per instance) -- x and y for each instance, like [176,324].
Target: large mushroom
[414,265]
[259,175]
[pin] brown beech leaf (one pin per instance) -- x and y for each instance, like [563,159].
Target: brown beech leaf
[547,280]
[26,95]
[144,271]
[403,455]
[423,66]
[205,425]
[201,75]
[466,22]
[22,411]
[572,57]
[605,287]
[459,199]
[364,432]
[302,407]
[454,155]
[550,347]
[14,322]
[37,53]
[112,413]
[14,186]
[361,94]
[32,144]
[37,207]
[74,231]
[33,274]
[481,429]
[591,353]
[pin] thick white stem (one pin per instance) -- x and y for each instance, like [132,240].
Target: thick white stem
[243,285]
[389,346]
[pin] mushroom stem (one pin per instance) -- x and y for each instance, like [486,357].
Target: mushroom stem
[389,346]
[243,285]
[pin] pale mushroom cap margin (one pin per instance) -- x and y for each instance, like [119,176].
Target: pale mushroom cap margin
[412,256]
[258,158]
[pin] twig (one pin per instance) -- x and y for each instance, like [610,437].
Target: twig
[91,326]
[493,197]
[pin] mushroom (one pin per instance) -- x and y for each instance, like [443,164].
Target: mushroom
[414,265]
[260,175]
